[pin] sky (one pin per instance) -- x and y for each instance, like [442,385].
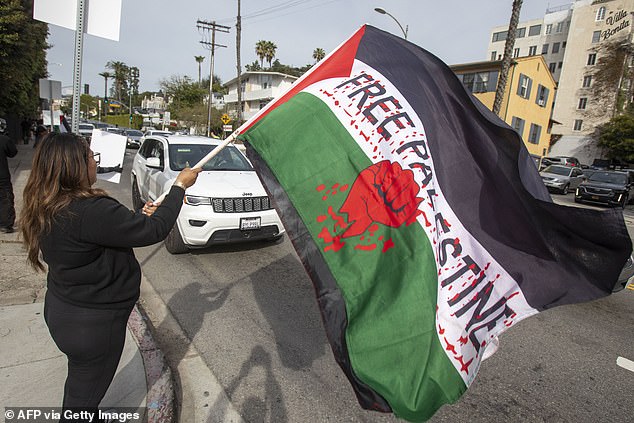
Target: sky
[160,37]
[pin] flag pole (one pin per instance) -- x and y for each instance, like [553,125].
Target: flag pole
[205,159]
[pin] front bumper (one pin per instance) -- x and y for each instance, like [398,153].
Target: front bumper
[201,227]
[601,196]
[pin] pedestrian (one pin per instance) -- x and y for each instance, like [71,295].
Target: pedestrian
[40,132]
[7,210]
[86,239]
[26,130]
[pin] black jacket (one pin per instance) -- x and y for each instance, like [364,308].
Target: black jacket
[89,249]
[7,149]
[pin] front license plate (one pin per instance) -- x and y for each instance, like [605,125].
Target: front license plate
[595,197]
[249,223]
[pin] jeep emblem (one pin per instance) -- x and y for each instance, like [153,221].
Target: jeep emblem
[247,194]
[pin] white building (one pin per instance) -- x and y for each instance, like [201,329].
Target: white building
[576,40]
[155,102]
[258,88]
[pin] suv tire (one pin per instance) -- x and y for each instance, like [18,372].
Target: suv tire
[137,203]
[174,242]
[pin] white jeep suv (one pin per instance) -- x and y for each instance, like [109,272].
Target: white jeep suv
[226,204]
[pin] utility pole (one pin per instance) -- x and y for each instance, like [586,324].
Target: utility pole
[238,34]
[206,27]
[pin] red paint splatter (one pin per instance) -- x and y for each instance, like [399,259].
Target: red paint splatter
[463,340]
[365,247]
[387,245]
[441,330]
[325,197]
[367,138]
[321,218]
[464,366]
[321,187]
[449,347]
[343,188]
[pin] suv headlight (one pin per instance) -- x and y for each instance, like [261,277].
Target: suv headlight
[194,200]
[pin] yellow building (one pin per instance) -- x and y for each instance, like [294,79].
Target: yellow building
[528,99]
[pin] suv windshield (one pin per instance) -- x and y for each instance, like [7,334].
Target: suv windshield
[609,177]
[558,170]
[134,133]
[182,155]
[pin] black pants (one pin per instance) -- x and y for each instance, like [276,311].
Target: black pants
[7,211]
[93,340]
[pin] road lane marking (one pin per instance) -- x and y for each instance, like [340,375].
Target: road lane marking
[625,363]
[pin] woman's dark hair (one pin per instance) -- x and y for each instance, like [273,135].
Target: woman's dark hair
[59,174]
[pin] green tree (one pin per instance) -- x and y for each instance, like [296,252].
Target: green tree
[253,67]
[318,54]
[617,137]
[189,102]
[22,58]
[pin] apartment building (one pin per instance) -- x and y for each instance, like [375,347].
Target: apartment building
[258,88]
[528,98]
[584,44]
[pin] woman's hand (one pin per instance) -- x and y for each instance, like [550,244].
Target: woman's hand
[187,176]
[149,208]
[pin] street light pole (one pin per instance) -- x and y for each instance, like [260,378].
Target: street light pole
[384,12]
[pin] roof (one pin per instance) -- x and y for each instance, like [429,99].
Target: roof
[246,74]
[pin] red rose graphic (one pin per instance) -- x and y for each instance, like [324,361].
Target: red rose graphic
[384,193]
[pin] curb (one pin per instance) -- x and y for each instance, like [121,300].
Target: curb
[158,376]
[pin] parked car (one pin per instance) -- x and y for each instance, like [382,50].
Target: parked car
[227,204]
[561,178]
[606,187]
[560,160]
[134,138]
[115,130]
[85,129]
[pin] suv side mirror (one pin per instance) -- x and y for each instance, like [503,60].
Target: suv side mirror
[154,163]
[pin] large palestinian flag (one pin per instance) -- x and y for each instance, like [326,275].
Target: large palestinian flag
[421,220]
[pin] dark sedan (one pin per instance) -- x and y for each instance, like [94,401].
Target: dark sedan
[606,187]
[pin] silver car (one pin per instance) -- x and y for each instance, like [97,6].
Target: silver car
[562,179]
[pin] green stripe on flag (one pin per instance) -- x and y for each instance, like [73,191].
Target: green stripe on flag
[390,295]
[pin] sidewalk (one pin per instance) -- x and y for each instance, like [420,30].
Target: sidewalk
[32,369]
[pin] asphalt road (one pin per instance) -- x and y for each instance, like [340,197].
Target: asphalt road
[250,312]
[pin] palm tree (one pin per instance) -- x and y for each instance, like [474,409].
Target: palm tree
[121,73]
[105,75]
[270,51]
[506,60]
[318,54]
[260,51]
[199,60]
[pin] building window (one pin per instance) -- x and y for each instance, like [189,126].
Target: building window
[545,49]
[524,86]
[600,14]
[560,27]
[592,58]
[587,81]
[534,30]
[563,45]
[534,133]
[516,52]
[520,33]
[577,125]
[555,48]
[549,28]
[493,55]
[583,102]
[559,65]
[596,36]
[499,36]
[552,67]
[542,96]
[518,125]
[532,50]
[480,82]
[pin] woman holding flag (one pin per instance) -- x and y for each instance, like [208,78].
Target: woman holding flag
[86,239]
